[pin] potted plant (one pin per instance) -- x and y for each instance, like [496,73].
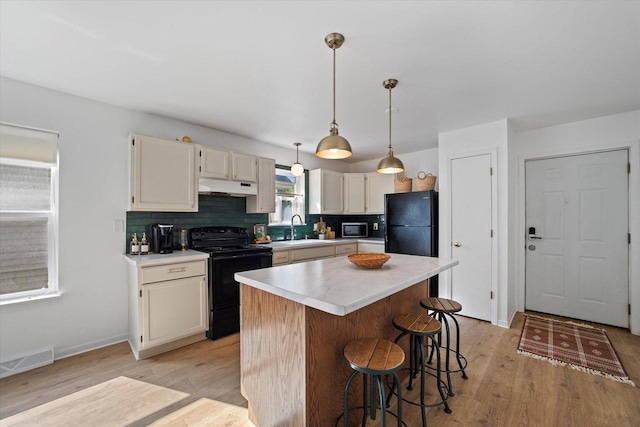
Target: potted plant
[322,233]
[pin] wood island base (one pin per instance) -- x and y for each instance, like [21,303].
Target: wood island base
[293,371]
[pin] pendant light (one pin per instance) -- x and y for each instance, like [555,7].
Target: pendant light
[334,146]
[390,164]
[297,169]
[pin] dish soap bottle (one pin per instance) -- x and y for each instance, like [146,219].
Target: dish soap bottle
[144,245]
[135,245]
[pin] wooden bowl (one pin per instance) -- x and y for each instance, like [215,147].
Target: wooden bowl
[369,260]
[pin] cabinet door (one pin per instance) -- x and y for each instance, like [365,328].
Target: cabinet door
[371,247]
[280,257]
[244,167]
[344,250]
[325,192]
[214,163]
[162,175]
[354,193]
[376,186]
[173,309]
[265,201]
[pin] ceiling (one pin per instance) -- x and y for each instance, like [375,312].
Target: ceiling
[261,69]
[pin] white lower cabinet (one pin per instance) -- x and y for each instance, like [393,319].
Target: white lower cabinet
[280,257]
[348,249]
[167,306]
[309,254]
[333,250]
[371,247]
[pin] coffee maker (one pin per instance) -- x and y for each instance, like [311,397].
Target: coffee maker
[162,238]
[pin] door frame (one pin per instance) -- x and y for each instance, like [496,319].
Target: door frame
[493,153]
[633,148]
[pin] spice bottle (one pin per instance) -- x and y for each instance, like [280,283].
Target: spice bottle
[135,245]
[183,239]
[144,245]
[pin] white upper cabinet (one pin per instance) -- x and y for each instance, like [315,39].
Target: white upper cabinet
[376,186]
[214,163]
[325,192]
[162,175]
[265,200]
[244,168]
[222,164]
[354,195]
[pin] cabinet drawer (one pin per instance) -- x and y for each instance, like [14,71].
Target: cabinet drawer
[158,273]
[280,258]
[346,249]
[371,247]
[312,253]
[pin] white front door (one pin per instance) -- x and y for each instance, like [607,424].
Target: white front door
[577,255]
[471,207]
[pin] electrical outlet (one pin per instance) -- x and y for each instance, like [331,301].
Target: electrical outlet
[375,226]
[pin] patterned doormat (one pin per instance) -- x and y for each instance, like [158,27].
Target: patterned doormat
[582,347]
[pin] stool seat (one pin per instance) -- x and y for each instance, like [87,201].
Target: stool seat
[441,304]
[417,323]
[373,358]
[373,355]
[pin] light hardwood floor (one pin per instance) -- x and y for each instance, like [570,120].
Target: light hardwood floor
[503,389]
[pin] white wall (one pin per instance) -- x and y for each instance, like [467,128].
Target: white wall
[92,311]
[604,133]
[487,138]
[424,160]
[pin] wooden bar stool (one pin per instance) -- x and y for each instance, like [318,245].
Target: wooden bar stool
[420,326]
[443,308]
[373,358]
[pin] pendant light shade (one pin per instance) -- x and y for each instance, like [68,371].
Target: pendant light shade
[334,146]
[297,169]
[390,164]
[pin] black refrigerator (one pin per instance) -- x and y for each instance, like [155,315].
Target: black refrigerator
[412,226]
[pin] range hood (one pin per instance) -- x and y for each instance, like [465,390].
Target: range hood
[231,188]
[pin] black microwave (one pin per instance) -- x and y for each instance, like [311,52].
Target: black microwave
[355,229]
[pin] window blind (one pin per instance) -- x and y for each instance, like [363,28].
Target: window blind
[24,255]
[27,165]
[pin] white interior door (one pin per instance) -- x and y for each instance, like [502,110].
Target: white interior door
[577,261]
[471,210]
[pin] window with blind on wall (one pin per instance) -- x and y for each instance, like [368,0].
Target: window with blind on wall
[28,220]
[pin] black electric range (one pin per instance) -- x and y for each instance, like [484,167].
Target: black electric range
[229,253]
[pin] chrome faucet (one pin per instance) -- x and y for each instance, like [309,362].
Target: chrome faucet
[293,230]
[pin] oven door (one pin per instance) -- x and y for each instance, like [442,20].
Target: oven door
[224,290]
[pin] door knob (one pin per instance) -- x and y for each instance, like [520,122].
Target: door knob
[457,244]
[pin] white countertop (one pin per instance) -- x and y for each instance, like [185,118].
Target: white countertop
[175,256]
[282,245]
[336,286]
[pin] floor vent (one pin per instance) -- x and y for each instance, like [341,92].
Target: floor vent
[26,362]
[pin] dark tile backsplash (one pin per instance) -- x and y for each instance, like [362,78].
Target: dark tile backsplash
[227,210]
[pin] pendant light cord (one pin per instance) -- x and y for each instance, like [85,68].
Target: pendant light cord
[334,124]
[390,120]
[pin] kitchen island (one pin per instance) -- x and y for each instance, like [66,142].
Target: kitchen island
[296,320]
